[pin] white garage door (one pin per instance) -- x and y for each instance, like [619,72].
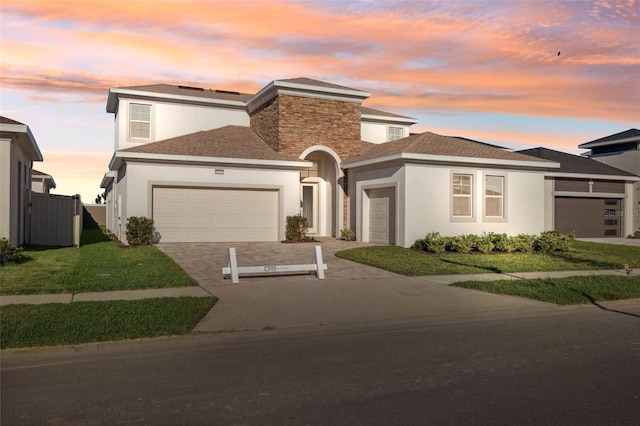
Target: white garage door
[215,215]
[382,216]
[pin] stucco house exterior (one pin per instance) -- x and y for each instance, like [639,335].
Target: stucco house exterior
[587,196]
[18,151]
[42,183]
[215,165]
[620,150]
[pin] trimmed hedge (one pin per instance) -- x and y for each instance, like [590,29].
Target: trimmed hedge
[548,241]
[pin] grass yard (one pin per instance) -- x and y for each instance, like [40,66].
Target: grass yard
[583,256]
[82,322]
[564,291]
[99,264]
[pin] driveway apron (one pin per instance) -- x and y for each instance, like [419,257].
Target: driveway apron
[350,293]
[204,261]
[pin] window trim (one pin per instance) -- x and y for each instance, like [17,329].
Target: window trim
[502,218]
[389,139]
[471,197]
[130,120]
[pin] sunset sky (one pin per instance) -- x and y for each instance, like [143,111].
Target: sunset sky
[485,70]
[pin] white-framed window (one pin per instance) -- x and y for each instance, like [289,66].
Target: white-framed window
[139,121]
[494,196]
[462,191]
[394,133]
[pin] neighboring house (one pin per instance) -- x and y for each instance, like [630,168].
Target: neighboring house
[621,150]
[214,165]
[42,182]
[586,196]
[18,151]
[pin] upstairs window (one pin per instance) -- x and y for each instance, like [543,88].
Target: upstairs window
[394,133]
[494,196]
[462,195]
[139,121]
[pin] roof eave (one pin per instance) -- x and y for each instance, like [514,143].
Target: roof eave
[120,156]
[454,160]
[107,179]
[25,139]
[44,178]
[387,119]
[592,176]
[595,144]
[115,93]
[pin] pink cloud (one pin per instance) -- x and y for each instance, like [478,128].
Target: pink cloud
[426,56]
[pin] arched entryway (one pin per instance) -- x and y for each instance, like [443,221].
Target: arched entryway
[321,196]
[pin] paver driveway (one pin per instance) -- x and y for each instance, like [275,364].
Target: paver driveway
[204,261]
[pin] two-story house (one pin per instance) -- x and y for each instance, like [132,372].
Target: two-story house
[214,165]
[621,150]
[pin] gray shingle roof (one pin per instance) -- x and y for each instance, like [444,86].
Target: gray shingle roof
[312,82]
[6,120]
[225,142]
[434,144]
[570,163]
[371,111]
[169,89]
[627,134]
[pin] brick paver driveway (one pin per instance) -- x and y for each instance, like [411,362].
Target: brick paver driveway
[204,261]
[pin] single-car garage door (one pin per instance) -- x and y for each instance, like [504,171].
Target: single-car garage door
[215,215]
[382,217]
[589,217]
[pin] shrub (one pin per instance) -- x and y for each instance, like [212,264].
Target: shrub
[432,243]
[140,231]
[502,243]
[297,227]
[522,243]
[636,234]
[10,253]
[347,235]
[549,241]
[463,243]
[484,243]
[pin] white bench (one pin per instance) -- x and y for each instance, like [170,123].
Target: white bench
[234,270]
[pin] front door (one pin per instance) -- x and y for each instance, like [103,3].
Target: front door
[309,205]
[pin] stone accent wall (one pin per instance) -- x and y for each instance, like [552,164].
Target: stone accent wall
[291,124]
[264,121]
[305,122]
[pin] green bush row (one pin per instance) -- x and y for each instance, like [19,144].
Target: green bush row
[547,241]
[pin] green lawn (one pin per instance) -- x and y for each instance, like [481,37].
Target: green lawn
[583,256]
[98,265]
[564,291]
[82,322]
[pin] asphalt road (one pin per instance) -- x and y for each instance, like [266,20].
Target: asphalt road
[570,366]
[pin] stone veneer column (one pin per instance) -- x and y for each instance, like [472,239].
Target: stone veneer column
[264,121]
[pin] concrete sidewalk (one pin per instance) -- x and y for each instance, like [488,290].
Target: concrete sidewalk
[265,303]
